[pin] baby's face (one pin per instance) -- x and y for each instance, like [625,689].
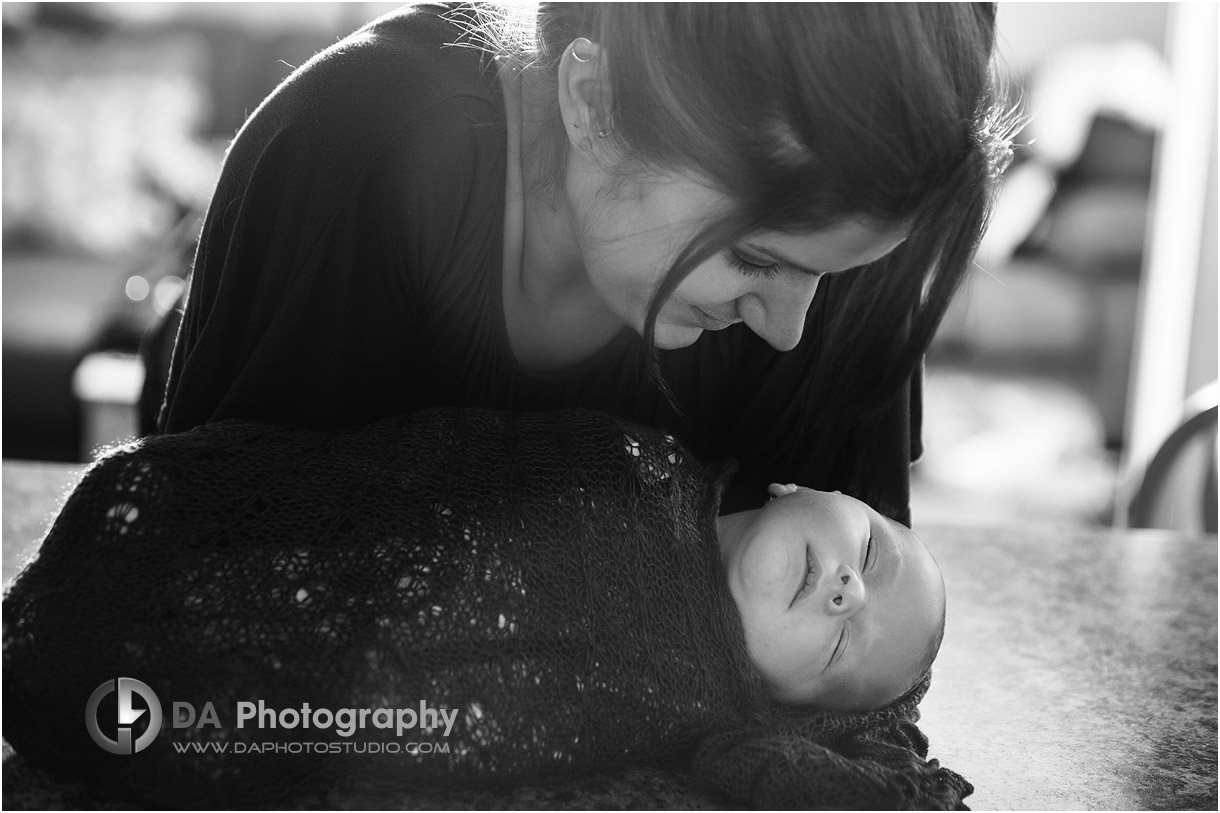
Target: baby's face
[840,605]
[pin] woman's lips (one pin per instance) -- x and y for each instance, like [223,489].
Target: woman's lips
[709,322]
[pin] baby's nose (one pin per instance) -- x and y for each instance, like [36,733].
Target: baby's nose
[847,593]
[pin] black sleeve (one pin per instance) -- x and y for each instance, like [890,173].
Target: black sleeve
[336,198]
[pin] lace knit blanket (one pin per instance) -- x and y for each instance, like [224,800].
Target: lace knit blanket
[452,598]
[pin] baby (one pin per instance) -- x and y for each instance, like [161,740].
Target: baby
[558,588]
[842,608]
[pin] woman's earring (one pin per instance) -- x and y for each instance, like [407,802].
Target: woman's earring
[604,132]
[576,54]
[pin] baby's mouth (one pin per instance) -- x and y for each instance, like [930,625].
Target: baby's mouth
[803,576]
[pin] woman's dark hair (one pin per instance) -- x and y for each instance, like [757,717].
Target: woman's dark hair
[806,114]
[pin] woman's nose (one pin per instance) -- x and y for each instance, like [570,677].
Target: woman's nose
[846,593]
[785,307]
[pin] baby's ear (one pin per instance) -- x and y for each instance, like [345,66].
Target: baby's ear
[778,490]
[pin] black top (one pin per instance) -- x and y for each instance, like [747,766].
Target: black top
[349,268]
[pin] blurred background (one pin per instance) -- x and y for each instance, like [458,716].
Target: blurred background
[1089,321]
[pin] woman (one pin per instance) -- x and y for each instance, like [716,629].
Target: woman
[631,209]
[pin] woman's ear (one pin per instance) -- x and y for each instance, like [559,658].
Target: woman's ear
[584,93]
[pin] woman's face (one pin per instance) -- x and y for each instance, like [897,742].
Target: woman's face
[630,234]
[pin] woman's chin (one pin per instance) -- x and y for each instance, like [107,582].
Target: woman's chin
[675,337]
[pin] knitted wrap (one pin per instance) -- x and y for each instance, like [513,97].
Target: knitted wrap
[503,597]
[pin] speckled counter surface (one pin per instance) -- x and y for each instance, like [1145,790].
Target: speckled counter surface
[1078,669]
[1078,672]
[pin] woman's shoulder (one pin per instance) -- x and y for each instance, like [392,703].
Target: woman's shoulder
[392,70]
[416,42]
[397,104]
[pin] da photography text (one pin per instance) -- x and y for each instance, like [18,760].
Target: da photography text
[346,721]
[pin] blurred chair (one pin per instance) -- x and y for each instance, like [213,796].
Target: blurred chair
[1177,488]
[1064,252]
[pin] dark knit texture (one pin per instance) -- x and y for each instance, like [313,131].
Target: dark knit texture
[550,579]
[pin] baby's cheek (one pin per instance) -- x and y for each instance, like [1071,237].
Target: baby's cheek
[765,569]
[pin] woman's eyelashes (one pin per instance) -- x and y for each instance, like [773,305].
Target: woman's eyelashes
[751,266]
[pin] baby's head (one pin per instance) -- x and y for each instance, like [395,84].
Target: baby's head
[842,607]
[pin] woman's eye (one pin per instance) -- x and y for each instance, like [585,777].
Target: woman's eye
[751,268]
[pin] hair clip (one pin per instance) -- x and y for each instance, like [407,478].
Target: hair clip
[994,137]
[1000,157]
